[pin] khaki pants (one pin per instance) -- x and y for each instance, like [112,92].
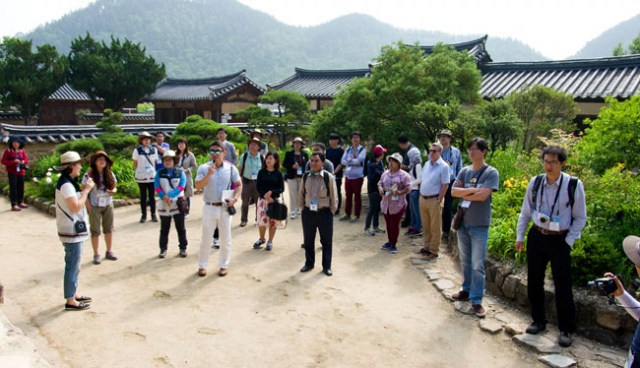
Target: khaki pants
[431,216]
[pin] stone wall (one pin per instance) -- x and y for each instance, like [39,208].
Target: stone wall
[34,151]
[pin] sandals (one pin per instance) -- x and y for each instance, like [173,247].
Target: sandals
[79,307]
[109,255]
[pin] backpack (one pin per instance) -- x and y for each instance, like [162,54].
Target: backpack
[244,161]
[365,169]
[325,176]
[571,190]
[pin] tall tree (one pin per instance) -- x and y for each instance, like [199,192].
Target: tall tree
[619,50]
[499,123]
[634,46]
[541,109]
[408,92]
[118,73]
[27,77]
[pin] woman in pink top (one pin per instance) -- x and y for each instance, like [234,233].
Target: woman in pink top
[15,159]
[393,187]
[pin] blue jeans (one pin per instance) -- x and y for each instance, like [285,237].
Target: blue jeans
[472,243]
[414,202]
[72,258]
[374,210]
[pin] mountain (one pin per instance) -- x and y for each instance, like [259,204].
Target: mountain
[202,38]
[604,44]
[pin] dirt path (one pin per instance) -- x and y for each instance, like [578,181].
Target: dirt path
[377,310]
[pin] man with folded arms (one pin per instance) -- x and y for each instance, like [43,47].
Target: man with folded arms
[556,203]
[434,182]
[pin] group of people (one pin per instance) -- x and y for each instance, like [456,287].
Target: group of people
[422,192]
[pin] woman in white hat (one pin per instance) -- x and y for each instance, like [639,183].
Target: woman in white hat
[393,188]
[144,161]
[170,182]
[71,220]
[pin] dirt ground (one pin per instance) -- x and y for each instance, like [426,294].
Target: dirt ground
[376,311]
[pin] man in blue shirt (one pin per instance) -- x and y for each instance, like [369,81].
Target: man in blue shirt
[161,146]
[451,156]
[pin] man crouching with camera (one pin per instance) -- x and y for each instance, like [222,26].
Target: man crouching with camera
[631,246]
[555,202]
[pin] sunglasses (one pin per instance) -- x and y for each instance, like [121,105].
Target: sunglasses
[215,152]
[433,151]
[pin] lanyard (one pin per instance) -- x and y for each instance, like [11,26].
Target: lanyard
[555,201]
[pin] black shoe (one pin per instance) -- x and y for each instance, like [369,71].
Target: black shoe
[258,243]
[79,307]
[154,218]
[183,253]
[536,328]
[405,225]
[301,245]
[306,268]
[143,219]
[327,271]
[565,339]
[163,253]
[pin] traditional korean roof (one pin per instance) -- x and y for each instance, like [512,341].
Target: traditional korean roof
[585,79]
[68,93]
[173,89]
[476,48]
[64,133]
[318,83]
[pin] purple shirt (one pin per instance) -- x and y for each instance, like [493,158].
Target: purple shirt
[402,180]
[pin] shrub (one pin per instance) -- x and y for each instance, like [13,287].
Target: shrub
[200,133]
[84,146]
[118,141]
[40,167]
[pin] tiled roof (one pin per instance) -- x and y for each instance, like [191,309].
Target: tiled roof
[64,133]
[125,117]
[476,48]
[585,79]
[172,89]
[318,83]
[68,93]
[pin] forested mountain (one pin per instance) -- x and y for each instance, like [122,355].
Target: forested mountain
[604,44]
[200,38]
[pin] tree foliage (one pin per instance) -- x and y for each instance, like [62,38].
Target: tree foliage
[27,77]
[200,132]
[634,47]
[407,93]
[114,139]
[499,123]
[118,73]
[541,109]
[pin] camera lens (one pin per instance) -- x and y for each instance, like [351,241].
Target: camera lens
[543,219]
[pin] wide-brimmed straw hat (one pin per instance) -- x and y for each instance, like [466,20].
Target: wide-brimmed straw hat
[251,140]
[16,139]
[67,159]
[631,246]
[256,131]
[95,156]
[298,139]
[169,154]
[144,135]
[396,156]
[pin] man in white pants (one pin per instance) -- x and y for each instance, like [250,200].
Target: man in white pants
[215,177]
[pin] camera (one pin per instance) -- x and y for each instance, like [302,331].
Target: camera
[543,218]
[606,284]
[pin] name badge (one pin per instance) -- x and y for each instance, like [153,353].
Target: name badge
[554,225]
[148,169]
[254,176]
[175,182]
[465,203]
[314,206]
[102,200]
[394,198]
[299,170]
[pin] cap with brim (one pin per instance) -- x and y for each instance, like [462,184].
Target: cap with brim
[631,246]
[144,135]
[16,139]
[445,132]
[298,139]
[251,140]
[95,156]
[67,159]
[396,156]
[377,150]
[258,131]
[169,154]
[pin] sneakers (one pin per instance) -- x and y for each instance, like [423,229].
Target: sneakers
[344,217]
[110,256]
[354,219]
[369,231]
[565,339]
[186,216]
[294,215]
[413,232]
[387,246]
[23,206]
[163,253]
[393,249]
[460,295]
[536,328]
[379,230]
[421,251]
[410,231]
[143,219]
[216,243]
[258,243]
[96,259]
[183,253]
[430,257]
[479,310]
[154,218]
[269,245]
[15,209]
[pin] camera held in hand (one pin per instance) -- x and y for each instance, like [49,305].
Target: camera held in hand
[606,284]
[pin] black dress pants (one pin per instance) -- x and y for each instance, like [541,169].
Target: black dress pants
[542,250]
[323,222]
[165,226]
[147,193]
[447,214]
[16,189]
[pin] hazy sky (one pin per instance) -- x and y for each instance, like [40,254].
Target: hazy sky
[557,28]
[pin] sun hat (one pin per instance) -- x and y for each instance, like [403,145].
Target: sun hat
[631,246]
[252,140]
[144,135]
[298,139]
[68,158]
[95,156]
[396,156]
[16,139]
[169,154]
[445,132]
[377,150]
[256,131]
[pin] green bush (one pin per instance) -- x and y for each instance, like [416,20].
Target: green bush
[118,141]
[40,167]
[84,146]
